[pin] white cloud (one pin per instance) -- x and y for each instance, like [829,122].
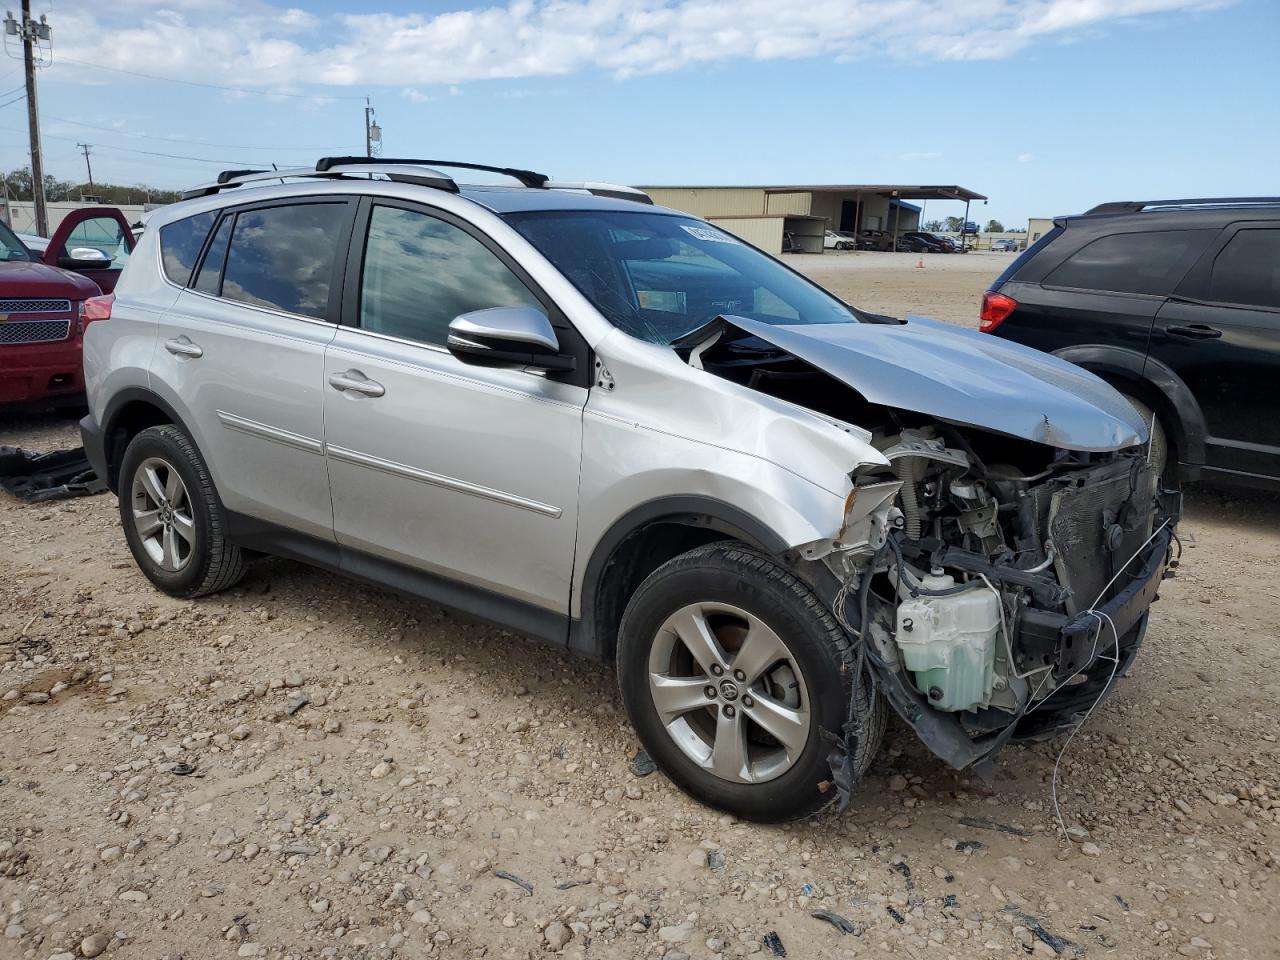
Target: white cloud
[261,45]
[416,96]
[1026,157]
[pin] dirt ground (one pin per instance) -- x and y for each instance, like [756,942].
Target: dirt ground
[306,767]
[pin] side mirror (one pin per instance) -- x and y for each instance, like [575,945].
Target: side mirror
[507,336]
[85,258]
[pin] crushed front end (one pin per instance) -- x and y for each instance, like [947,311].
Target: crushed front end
[998,586]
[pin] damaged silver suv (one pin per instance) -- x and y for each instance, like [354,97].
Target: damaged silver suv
[621,430]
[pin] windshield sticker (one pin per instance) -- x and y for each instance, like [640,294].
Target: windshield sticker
[663,301]
[706,233]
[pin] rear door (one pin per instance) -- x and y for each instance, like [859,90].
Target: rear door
[241,353]
[101,229]
[1220,333]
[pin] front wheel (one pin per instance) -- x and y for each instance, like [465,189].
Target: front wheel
[1162,465]
[731,668]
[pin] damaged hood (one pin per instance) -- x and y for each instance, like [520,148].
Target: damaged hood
[965,377]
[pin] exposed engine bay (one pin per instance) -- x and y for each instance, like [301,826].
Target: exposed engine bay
[998,585]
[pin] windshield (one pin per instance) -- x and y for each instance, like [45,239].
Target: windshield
[658,276]
[11,247]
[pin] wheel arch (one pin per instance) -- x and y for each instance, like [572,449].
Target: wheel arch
[129,413]
[1156,385]
[641,541]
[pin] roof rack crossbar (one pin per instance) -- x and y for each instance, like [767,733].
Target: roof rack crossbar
[1137,206]
[528,178]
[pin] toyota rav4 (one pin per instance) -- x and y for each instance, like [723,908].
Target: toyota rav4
[624,431]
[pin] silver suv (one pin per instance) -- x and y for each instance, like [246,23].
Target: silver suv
[622,430]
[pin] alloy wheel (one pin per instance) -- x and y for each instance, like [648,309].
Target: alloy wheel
[729,692]
[162,516]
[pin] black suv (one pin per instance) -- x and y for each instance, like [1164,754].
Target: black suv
[1176,303]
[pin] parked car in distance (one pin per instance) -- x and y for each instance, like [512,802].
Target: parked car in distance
[1004,245]
[1177,305]
[790,244]
[836,241]
[918,241]
[623,430]
[968,227]
[875,240]
[42,297]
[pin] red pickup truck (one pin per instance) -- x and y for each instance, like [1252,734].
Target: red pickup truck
[42,296]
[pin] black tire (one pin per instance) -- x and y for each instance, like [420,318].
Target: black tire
[213,563]
[1165,466]
[729,573]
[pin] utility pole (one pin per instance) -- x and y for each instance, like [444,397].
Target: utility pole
[85,148]
[372,132]
[32,32]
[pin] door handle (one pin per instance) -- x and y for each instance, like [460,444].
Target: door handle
[356,382]
[182,347]
[1195,331]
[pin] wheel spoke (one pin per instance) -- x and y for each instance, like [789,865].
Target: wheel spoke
[147,522]
[174,490]
[760,650]
[152,485]
[185,528]
[169,546]
[729,752]
[694,632]
[789,727]
[675,696]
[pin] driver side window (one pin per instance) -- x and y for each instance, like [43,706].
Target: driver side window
[420,272]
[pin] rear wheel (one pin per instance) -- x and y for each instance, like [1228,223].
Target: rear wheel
[173,520]
[730,669]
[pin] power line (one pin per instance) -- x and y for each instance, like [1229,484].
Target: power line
[18,99]
[171,140]
[210,86]
[152,153]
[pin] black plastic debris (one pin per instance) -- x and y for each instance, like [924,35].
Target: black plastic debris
[39,477]
[949,902]
[642,764]
[182,770]
[774,943]
[840,923]
[895,914]
[986,823]
[518,881]
[964,846]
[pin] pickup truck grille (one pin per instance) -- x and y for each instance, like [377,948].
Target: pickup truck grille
[34,331]
[23,305]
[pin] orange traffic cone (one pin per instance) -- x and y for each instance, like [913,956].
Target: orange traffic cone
[920,264]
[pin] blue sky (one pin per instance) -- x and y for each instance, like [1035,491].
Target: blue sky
[1047,106]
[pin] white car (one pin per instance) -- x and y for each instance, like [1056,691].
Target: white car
[837,241]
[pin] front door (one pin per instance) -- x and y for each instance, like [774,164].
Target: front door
[461,473]
[1220,333]
[101,230]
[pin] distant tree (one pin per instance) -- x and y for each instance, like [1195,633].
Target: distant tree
[17,186]
[954,224]
[995,226]
[933,226]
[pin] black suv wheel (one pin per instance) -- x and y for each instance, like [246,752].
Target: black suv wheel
[172,517]
[730,669]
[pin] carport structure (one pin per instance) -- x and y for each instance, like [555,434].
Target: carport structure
[762,214]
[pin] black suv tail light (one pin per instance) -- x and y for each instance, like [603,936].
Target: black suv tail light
[995,307]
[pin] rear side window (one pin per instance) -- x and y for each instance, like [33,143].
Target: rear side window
[209,280]
[181,243]
[1025,257]
[1148,263]
[282,257]
[1247,270]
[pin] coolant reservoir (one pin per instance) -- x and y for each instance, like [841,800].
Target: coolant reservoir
[949,643]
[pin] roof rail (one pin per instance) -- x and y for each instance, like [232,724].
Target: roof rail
[599,189]
[336,167]
[1138,206]
[528,178]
